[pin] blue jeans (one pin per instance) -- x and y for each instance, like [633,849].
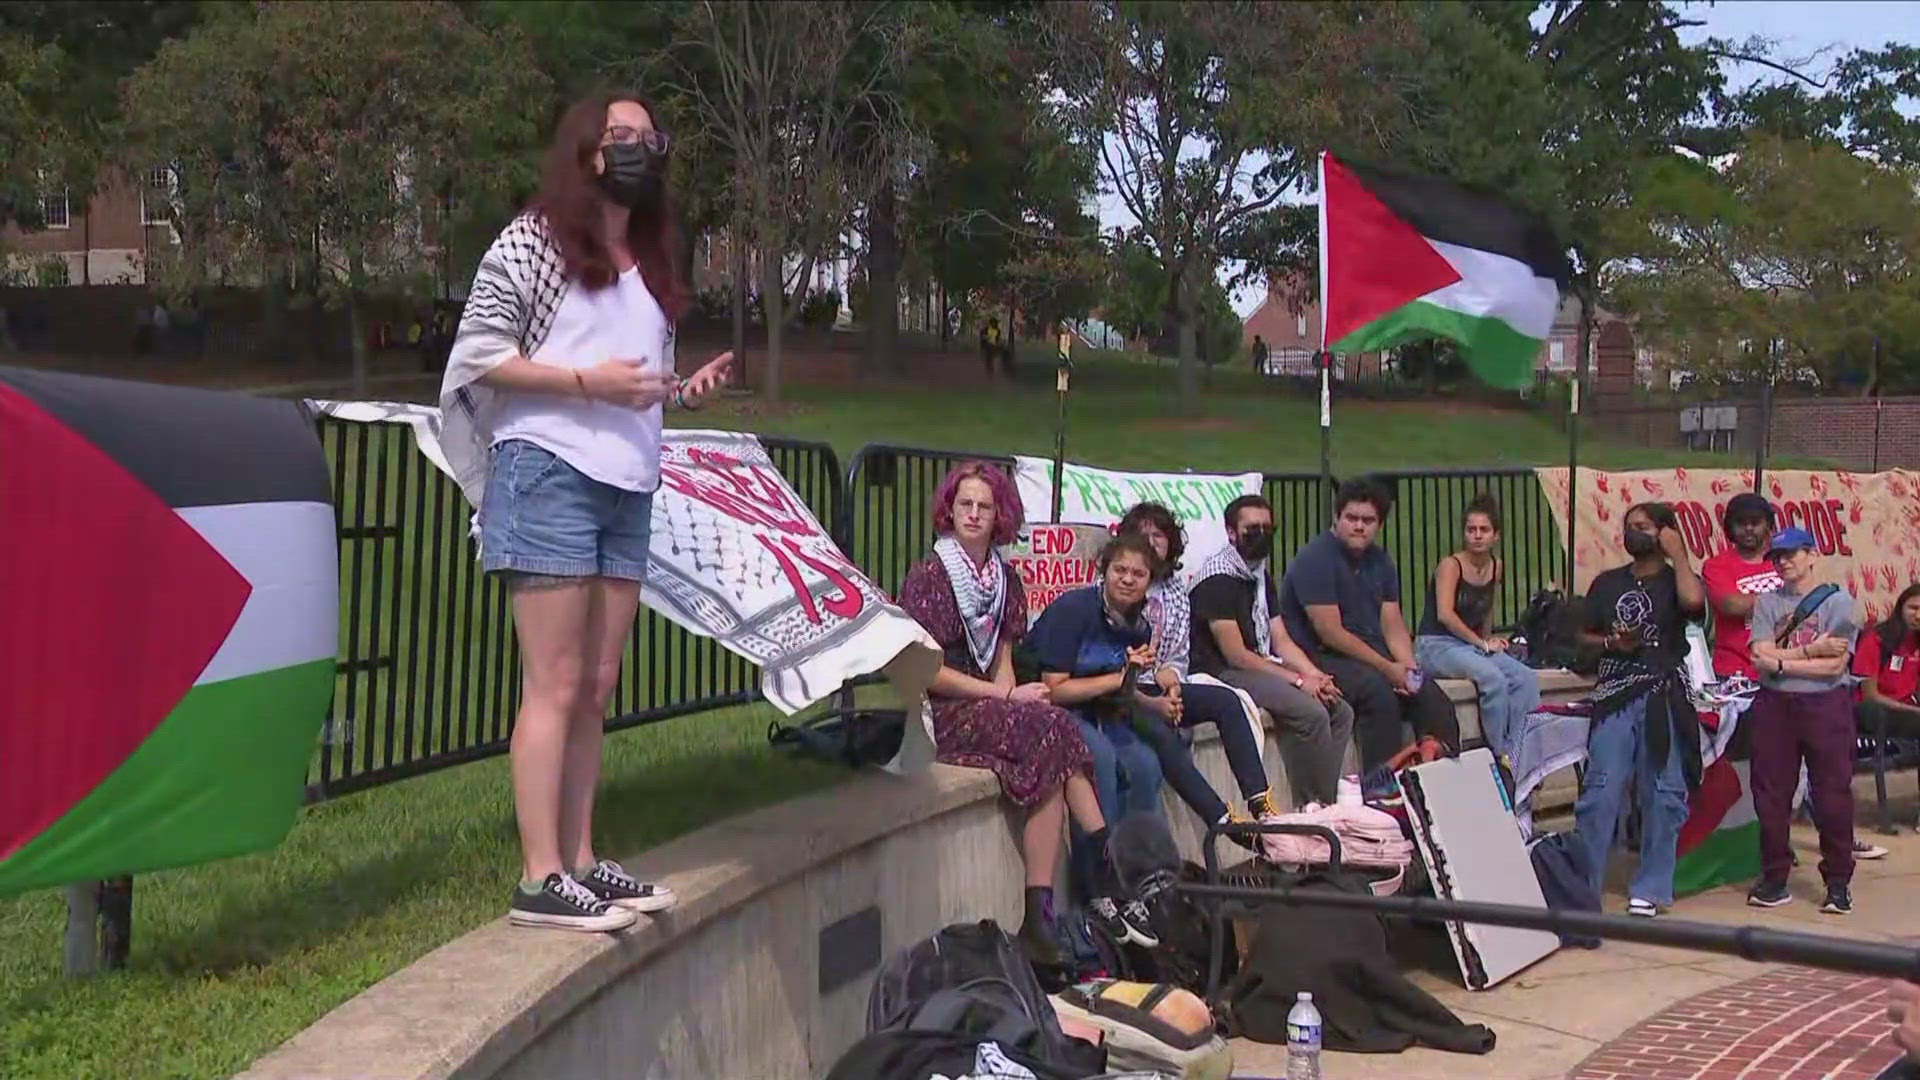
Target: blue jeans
[544,517]
[1509,689]
[1618,754]
[1126,780]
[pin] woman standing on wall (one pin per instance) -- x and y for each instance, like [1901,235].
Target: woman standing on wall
[551,411]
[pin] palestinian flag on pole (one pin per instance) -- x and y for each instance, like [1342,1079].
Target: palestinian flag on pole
[168,634]
[1405,258]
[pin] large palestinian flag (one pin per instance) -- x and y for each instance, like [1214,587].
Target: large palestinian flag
[169,599]
[1404,258]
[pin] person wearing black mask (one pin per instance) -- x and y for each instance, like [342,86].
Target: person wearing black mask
[551,422]
[1646,733]
[1238,638]
[1341,599]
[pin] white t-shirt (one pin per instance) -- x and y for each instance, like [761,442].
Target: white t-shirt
[614,444]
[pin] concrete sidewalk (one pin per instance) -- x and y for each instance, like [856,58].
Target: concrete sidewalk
[1648,1012]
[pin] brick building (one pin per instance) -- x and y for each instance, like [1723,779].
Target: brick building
[108,239]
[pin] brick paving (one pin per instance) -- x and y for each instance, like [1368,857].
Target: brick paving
[1787,1024]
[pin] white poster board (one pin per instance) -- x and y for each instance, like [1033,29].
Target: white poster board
[1465,828]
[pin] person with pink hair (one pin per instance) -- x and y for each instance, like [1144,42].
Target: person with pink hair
[971,602]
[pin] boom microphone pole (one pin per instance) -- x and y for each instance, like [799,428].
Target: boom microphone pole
[1143,850]
[1747,942]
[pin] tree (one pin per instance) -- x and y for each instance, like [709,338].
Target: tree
[798,97]
[1464,104]
[1134,300]
[29,139]
[1203,115]
[96,43]
[1864,105]
[1801,243]
[316,139]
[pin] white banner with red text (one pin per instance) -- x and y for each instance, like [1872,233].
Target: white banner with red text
[1090,496]
[1055,559]
[1867,525]
[737,556]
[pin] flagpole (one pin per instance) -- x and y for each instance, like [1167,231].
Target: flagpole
[1060,420]
[1765,432]
[1573,434]
[1324,361]
[1324,358]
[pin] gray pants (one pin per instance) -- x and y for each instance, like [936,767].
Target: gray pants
[1313,736]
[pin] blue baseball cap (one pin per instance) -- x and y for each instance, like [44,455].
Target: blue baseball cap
[1791,538]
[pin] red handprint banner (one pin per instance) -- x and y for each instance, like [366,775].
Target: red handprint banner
[1867,524]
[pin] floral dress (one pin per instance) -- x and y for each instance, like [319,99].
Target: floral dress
[1031,746]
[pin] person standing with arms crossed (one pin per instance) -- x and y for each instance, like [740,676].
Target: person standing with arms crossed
[1802,640]
[551,413]
[1735,577]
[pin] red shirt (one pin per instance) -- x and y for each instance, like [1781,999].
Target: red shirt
[1727,574]
[1899,675]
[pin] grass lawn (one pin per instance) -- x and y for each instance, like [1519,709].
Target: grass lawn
[1123,416]
[232,958]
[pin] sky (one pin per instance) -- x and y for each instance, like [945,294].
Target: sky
[1798,28]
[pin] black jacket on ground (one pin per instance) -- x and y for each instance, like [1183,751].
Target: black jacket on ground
[1340,956]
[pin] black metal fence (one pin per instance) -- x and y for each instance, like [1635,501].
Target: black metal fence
[890,498]
[429,669]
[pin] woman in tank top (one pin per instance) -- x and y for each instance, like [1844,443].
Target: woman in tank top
[1456,639]
[551,422]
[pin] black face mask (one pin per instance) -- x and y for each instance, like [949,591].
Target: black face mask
[1254,545]
[635,173]
[1640,543]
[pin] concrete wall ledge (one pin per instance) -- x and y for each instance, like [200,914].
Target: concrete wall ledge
[728,984]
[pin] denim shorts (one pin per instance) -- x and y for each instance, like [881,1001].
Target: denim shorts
[543,516]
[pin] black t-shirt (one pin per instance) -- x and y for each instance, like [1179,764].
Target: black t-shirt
[1652,605]
[1220,598]
[1323,573]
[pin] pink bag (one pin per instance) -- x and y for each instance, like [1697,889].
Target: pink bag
[1369,840]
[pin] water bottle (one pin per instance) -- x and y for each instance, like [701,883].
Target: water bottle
[1303,1039]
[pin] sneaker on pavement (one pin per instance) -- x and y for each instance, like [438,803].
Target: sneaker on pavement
[564,904]
[1769,894]
[1867,849]
[1839,900]
[609,881]
[1642,909]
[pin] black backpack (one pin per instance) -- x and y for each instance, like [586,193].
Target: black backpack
[987,983]
[943,1036]
[1185,934]
[856,738]
[1552,625]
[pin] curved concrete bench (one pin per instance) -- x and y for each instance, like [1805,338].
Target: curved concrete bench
[761,972]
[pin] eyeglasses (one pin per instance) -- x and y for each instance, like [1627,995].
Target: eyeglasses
[651,138]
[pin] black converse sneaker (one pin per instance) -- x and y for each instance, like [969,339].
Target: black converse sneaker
[609,881]
[1130,926]
[564,904]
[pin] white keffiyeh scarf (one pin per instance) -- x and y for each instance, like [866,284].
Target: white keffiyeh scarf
[1228,561]
[509,311]
[981,595]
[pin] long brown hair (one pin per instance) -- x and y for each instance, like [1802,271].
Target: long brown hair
[569,199]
